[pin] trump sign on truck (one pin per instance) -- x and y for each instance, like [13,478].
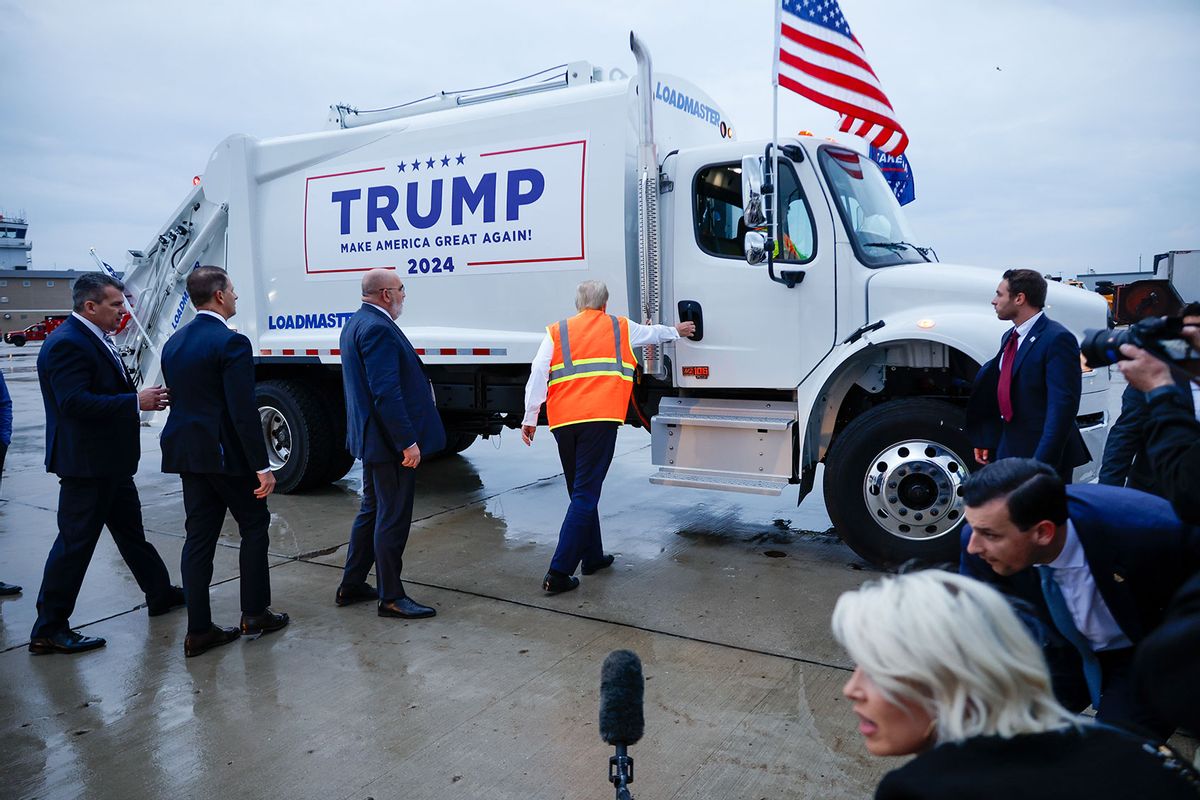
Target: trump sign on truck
[512,207]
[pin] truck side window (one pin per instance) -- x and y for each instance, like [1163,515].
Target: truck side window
[720,230]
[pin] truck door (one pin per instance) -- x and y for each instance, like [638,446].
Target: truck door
[756,333]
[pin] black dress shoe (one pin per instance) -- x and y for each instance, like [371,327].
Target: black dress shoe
[8,589]
[557,583]
[603,563]
[405,608]
[357,593]
[266,622]
[173,601]
[64,642]
[196,643]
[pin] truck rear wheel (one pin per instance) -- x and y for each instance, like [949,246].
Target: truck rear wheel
[298,431]
[893,482]
[456,442]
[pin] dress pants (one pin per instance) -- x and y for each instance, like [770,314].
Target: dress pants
[585,450]
[85,506]
[380,530]
[1120,704]
[206,498]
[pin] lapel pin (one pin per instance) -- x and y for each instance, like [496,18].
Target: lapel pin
[1118,578]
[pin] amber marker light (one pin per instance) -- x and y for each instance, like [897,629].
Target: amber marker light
[925,324]
[804,133]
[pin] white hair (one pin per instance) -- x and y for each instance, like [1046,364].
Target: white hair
[591,294]
[954,646]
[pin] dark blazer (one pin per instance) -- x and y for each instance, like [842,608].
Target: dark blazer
[214,425]
[1139,554]
[1168,660]
[1125,462]
[1092,763]
[1173,447]
[389,403]
[92,416]
[1046,384]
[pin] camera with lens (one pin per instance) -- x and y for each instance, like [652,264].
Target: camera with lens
[1159,336]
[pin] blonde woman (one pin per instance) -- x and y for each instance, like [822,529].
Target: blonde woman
[946,671]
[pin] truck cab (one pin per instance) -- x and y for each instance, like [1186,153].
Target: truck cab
[854,348]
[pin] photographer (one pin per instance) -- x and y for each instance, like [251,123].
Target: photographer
[1172,432]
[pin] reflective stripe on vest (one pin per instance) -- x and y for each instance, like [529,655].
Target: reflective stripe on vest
[590,380]
[587,367]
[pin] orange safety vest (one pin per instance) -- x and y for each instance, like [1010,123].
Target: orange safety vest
[591,371]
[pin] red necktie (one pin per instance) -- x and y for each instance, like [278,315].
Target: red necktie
[1004,388]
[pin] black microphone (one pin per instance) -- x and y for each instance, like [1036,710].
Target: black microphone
[621,722]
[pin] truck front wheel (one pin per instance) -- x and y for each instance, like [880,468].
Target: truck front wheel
[18,341]
[298,431]
[893,482]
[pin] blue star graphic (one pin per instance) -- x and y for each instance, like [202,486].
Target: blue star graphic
[416,165]
[401,166]
[461,158]
[445,161]
[429,163]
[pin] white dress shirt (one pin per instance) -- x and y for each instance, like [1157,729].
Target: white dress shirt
[1088,609]
[1196,398]
[108,345]
[1022,331]
[539,371]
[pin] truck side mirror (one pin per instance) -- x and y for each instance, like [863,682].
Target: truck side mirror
[753,214]
[756,247]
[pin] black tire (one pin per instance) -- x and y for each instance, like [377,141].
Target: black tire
[303,447]
[340,460]
[456,442]
[18,341]
[891,501]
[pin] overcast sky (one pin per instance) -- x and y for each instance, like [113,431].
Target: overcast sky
[1056,134]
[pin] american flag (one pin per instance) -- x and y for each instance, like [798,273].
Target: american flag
[820,59]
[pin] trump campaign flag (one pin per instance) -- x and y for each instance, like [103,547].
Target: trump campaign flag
[818,58]
[897,172]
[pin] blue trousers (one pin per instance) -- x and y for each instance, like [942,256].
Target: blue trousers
[380,530]
[85,507]
[206,498]
[586,450]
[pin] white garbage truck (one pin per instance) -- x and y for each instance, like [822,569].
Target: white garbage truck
[849,346]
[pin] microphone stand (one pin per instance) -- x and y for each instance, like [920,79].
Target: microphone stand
[620,772]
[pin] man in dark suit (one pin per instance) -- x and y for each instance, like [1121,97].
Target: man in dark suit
[6,420]
[1125,461]
[214,440]
[92,430]
[391,423]
[1093,568]
[1026,398]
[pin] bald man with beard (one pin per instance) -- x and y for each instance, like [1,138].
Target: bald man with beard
[391,424]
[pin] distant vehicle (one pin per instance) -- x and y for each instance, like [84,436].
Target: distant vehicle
[1174,283]
[36,332]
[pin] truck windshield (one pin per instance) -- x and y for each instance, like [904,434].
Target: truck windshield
[873,218]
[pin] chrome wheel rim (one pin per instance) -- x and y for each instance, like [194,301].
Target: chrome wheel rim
[913,489]
[277,434]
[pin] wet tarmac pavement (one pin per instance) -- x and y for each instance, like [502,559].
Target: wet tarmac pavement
[726,598]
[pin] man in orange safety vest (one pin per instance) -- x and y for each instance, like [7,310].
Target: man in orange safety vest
[584,371]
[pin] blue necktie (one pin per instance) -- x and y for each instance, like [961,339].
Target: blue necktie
[1066,626]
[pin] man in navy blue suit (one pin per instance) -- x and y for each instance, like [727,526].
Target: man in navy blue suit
[1026,399]
[214,440]
[1093,569]
[391,423]
[92,430]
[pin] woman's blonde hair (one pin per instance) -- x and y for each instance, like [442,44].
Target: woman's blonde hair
[954,646]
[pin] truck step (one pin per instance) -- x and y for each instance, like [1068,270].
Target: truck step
[729,445]
[724,482]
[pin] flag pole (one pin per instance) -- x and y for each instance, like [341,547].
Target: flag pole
[775,129]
